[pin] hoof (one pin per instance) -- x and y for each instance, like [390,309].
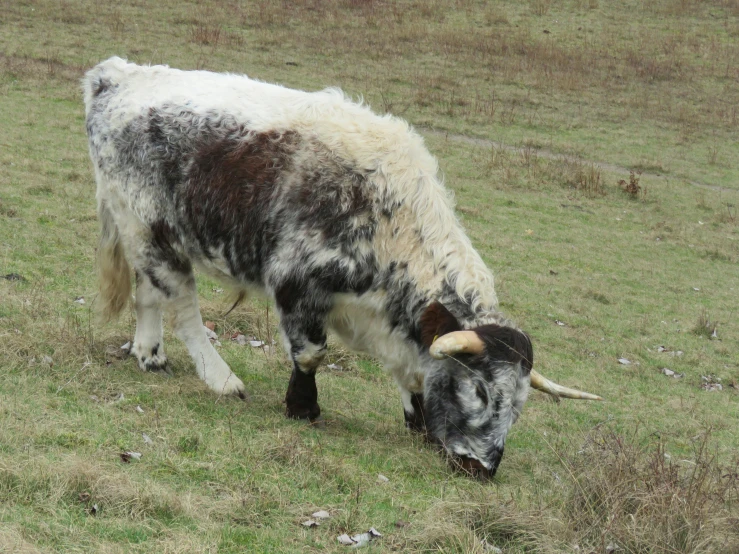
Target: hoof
[231,386]
[151,359]
[295,411]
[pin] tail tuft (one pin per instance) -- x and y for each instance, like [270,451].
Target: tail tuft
[114,273]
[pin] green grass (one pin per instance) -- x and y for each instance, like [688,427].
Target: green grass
[630,87]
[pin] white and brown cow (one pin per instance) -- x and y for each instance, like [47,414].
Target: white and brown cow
[337,213]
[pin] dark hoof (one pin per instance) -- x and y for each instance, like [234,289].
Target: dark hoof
[155,365]
[303,412]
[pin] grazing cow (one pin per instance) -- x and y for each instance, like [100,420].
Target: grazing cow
[337,213]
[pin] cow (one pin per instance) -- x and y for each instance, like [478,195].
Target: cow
[336,213]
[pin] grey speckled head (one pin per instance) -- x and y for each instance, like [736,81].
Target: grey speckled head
[471,400]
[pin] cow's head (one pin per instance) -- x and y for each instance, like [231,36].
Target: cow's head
[477,387]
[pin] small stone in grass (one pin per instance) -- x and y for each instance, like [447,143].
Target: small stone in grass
[321,514]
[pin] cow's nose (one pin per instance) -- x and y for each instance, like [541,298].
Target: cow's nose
[472,467]
[475,468]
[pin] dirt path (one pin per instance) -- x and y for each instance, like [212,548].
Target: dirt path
[548,154]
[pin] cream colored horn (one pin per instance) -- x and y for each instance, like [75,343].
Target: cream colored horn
[539,382]
[456,342]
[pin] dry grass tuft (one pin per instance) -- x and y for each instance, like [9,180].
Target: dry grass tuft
[633,188]
[11,540]
[469,525]
[205,34]
[78,482]
[637,499]
[704,326]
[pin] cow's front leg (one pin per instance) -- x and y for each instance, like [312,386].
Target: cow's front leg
[303,332]
[415,418]
[302,394]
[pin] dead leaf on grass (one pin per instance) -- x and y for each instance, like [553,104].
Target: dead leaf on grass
[321,514]
[210,333]
[624,361]
[310,523]
[126,457]
[669,373]
[359,540]
[711,383]
[487,547]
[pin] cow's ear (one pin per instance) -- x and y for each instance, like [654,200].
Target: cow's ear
[435,322]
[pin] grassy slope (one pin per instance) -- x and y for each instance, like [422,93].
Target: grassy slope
[227,476]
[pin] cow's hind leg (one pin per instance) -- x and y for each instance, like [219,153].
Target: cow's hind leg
[148,344]
[166,280]
[188,326]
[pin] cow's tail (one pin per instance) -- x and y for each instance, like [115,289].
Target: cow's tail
[114,273]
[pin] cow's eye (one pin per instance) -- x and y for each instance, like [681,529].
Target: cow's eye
[481,392]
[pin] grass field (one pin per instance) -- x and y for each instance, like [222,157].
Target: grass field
[536,110]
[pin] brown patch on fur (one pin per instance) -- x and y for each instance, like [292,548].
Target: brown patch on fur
[239,175]
[435,322]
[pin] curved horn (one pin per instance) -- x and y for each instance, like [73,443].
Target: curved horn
[539,382]
[456,342]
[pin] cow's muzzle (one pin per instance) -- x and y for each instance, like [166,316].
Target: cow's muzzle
[475,468]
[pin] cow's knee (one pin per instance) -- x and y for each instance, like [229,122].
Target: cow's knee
[309,356]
